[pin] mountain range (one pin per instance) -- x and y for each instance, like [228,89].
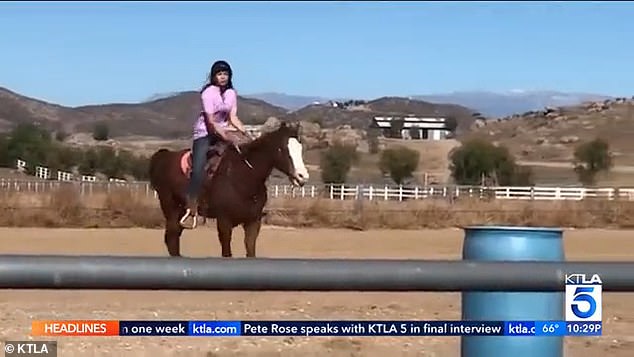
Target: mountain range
[489,104]
[171,115]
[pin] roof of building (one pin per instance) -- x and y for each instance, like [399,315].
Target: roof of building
[409,122]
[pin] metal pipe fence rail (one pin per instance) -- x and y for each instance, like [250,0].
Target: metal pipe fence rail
[351,192]
[257,274]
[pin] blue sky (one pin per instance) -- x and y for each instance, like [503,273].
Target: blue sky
[88,53]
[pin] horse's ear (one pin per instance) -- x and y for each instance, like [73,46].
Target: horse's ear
[296,127]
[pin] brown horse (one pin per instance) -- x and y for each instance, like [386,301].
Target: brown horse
[236,193]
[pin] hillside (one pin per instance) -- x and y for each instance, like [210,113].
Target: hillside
[395,105]
[172,116]
[360,116]
[497,105]
[546,139]
[15,109]
[490,104]
[167,117]
[553,134]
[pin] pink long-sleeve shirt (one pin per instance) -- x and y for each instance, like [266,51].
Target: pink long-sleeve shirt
[219,105]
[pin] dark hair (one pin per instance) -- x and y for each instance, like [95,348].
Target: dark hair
[219,66]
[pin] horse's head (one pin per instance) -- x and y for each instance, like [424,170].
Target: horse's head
[288,156]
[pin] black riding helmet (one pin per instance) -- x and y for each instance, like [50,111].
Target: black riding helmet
[220,66]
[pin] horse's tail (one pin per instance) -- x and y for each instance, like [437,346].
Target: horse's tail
[155,168]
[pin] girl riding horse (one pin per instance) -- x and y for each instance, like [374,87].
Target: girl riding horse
[218,115]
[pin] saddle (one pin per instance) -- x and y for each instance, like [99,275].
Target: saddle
[213,159]
[214,155]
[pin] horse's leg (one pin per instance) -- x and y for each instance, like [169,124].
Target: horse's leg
[173,229]
[225,229]
[173,232]
[251,232]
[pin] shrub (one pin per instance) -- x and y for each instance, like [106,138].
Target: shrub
[336,163]
[478,161]
[101,132]
[399,162]
[34,145]
[590,158]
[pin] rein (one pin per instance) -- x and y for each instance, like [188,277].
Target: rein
[237,147]
[242,156]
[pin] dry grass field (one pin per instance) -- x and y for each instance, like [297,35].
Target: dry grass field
[548,174]
[311,229]
[433,160]
[19,308]
[124,208]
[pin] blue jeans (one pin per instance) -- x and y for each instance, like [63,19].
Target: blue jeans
[200,147]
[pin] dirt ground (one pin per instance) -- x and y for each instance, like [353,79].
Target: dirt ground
[19,308]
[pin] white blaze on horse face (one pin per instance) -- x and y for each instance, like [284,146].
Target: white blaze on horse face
[295,151]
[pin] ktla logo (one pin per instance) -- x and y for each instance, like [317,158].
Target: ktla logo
[583,298]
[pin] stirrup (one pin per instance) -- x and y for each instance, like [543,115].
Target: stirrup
[185,216]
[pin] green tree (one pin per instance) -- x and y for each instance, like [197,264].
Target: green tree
[396,127]
[590,158]
[4,151]
[414,133]
[69,157]
[116,164]
[126,160]
[479,159]
[399,162]
[89,164]
[107,161]
[451,124]
[101,132]
[53,159]
[373,141]
[336,163]
[140,167]
[35,145]
[30,143]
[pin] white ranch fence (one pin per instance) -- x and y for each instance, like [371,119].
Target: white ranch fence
[352,192]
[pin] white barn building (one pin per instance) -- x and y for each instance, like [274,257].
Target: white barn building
[426,128]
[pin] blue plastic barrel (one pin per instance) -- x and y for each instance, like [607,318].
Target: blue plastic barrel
[496,243]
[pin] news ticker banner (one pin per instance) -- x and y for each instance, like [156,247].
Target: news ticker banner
[313,328]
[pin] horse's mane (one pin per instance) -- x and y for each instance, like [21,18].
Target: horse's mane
[263,139]
[266,139]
